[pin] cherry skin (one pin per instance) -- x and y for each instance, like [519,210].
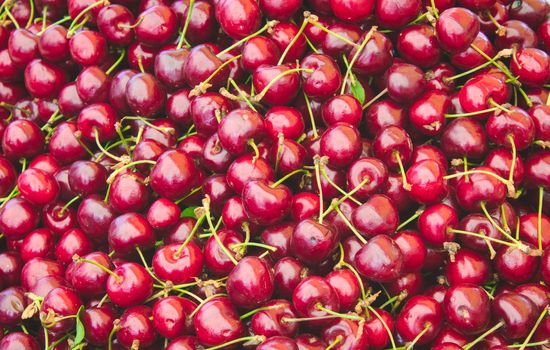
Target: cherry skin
[217,322]
[285,88]
[62,302]
[53,44]
[467,308]
[12,305]
[88,279]
[132,286]
[259,50]
[88,48]
[97,118]
[380,259]
[413,249]
[341,144]
[37,186]
[215,260]
[342,108]
[378,215]
[287,273]
[178,267]
[537,293]
[169,316]
[335,47]
[516,126]
[500,160]
[426,181]
[345,283]
[376,57]
[283,120]
[418,45]
[157,25]
[37,268]
[427,113]
[477,92]
[201,63]
[353,11]
[204,109]
[94,217]
[313,242]
[404,82]
[238,18]
[264,204]
[468,267]
[282,34]
[325,79]
[420,312]
[19,340]
[351,331]
[383,113]
[87,177]
[313,291]
[464,137]
[22,139]
[145,95]
[269,322]
[136,327]
[38,243]
[98,323]
[515,266]
[390,143]
[465,26]
[250,283]
[173,174]
[129,231]
[17,218]
[435,222]
[238,127]
[396,15]
[73,241]
[477,223]
[517,312]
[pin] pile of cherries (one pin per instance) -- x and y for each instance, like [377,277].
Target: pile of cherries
[275,174]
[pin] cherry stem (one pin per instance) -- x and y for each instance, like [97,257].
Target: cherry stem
[470,114]
[44,18]
[120,58]
[336,203]
[192,192]
[147,122]
[483,336]
[46,338]
[252,339]
[14,21]
[477,171]
[242,94]
[130,26]
[312,118]
[287,176]
[494,223]
[192,314]
[375,98]
[337,314]
[413,217]
[384,324]
[255,311]
[514,152]
[539,217]
[343,263]
[61,21]
[498,106]
[254,147]
[182,39]
[307,319]
[267,26]
[280,140]
[500,54]
[140,64]
[356,56]
[80,260]
[103,150]
[82,13]
[31,15]
[500,29]
[426,328]
[206,206]
[482,236]
[351,227]
[204,85]
[191,234]
[258,97]
[397,157]
[67,205]
[126,166]
[149,270]
[334,34]
[11,106]
[333,184]
[294,39]
[57,342]
[254,244]
[53,118]
[116,327]
[334,343]
[317,163]
[186,292]
[532,332]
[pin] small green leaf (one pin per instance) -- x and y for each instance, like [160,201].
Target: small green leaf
[80,332]
[188,212]
[358,91]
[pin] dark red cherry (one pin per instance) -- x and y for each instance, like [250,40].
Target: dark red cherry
[420,313]
[515,266]
[341,144]
[426,181]
[313,242]
[470,57]
[205,110]
[172,175]
[53,44]
[531,66]
[285,121]
[467,308]
[405,82]
[136,327]
[376,57]
[390,143]
[86,278]
[283,90]
[131,286]
[238,18]
[382,114]
[129,231]
[19,340]
[245,169]
[239,127]
[287,273]
[418,45]
[346,285]
[117,91]
[92,85]
[217,322]
[87,177]
[22,47]
[517,312]
[325,79]
[468,267]
[22,139]
[145,95]
[114,22]
[214,156]
[352,11]
[128,193]
[342,108]
[378,215]
[464,137]
[435,224]
[250,284]
[456,29]
[201,64]
[61,302]
[37,186]
[514,126]
[171,264]
[377,329]
[17,218]
[10,268]
[259,50]
[169,316]
[36,268]
[169,67]
[282,34]
[412,248]
[215,259]
[73,241]
[530,12]
[264,204]
[163,214]
[427,113]
[480,188]
[271,321]
[8,176]
[98,118]
[312,292]
[335,47]
[500,159]
[98,323]
[94,217]
[12,305]
[157,25]
[480,224]
[380,259]
[88,48]
[43,79]
[38,243]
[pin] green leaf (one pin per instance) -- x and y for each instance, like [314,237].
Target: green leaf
[80,332]
[188,212]
[358,91]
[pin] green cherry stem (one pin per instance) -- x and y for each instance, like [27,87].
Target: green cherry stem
[483,336]
[287,176]
[295,38]
[532,332]
[182,39]
[312,118]
[206,206]
[421,334]
[198,224]
[356,56]
[539,217]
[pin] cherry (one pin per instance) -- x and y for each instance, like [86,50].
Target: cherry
[264,202]
[515,126]
[515,266]
[94,217]
[53,44]
[287,274]
[346,285]
[516,33]
[129,285]
[87,177]
[304,206]
[92,85]
[278,236]
[516,312]
[12,305]
[38,243]
[98,323]
[418,45]
[10,269]
[435,224]
[342,108]
[62,302]
[22,139]
[145,95]
[313,242]
[214,156]
[114,22]
[259,50]
[89,279]
[205,109]
[156,25]
[19,340]
[376,57]
[341,144]
[169,68]
[250,283]
[169,316]
[529,12]
[184,342]
[501,160]
[276,85]
[310,342]
[325,79]
[283,34]
[467,308]
[480,188]
[269,322]
[215,258]
[378,215]
[203,66]
[88,48]
[421,316]
[471,58]
[356,11]
[285,121]
[467,267]
[532,66]
[380,259]
[129,231]
[311,296]
[177,265]
[477,223]
[172,175]
[412,248]
[7,176]
[238,18]
[22,47]
[382,114]
[136,327]
[464,137]
[216,321]
[17,218]
[335,47]
[480,90]
[456,29]
[37,186]
[348,334]
[97,119]
[239,127]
